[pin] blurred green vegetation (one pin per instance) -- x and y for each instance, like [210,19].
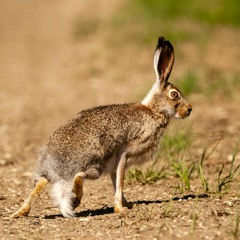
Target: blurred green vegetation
[216,83]
[189,84]
[148,17]
[221,84]
[138,23]
[211,12]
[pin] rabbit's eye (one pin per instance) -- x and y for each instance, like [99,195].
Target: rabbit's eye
[174,94]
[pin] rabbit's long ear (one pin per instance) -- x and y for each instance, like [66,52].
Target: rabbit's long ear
[163,60]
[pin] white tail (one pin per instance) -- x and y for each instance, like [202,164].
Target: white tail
[62,195]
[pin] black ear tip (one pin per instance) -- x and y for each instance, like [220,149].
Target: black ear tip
[161,38]
[163,42]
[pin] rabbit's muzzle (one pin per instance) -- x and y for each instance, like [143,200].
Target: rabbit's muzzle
[183,111]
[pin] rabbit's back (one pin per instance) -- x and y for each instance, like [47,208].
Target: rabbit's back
[108,138]
[91,141]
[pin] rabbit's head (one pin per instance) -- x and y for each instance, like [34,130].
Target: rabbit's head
[164,97]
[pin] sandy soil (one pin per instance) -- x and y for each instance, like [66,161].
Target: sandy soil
[47,76]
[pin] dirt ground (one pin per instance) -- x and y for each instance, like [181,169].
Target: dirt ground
[47,76]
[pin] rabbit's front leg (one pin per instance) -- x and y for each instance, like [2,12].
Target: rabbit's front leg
[118,182]
[124,200]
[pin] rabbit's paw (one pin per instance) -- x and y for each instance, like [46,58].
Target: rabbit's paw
[120,209]
[22,212]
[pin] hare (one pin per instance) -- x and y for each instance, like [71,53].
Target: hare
[107,139]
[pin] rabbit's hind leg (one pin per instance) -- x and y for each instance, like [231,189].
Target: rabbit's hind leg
[92,173]
[78,189]
[33,196]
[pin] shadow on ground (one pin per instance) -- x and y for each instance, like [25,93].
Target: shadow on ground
[109,210]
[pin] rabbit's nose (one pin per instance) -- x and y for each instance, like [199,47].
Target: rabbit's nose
[189,107]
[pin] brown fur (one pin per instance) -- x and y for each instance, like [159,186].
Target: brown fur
[110,138]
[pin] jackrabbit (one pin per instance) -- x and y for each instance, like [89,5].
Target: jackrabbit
[108,139]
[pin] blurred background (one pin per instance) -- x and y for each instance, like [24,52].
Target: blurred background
[59,57]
